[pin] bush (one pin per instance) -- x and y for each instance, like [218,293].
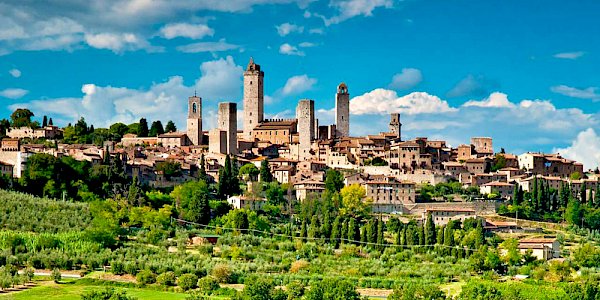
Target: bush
[166,279]
[107,294]
[187,281]
[56,276]
[208,284]
[298,266]
[222,273]
[146,277]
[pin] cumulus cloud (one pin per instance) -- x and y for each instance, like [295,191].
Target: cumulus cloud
[220,80]
[288,49]
[16,73]
[192,31]
[496,99]
[408,78]
[13,93]
[383,102]
[298,84]
[219,46]
[584,149]
[569,55]
[474,86]
[287,28]
[587,93]
[351,8]
[117,42]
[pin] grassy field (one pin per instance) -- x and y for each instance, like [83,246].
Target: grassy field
[72,290]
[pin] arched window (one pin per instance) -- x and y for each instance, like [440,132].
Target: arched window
[194,108]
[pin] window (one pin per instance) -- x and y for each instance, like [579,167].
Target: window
[194,109]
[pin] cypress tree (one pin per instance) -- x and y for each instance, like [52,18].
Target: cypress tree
[591,197]
[335,231]
[265,172]
[534,192]
[202,173]
[352,231]
[303,228]
[344,231]
[421,236]
[429,231]
[380,237]
[448,238]
[515,195]
[50,123]
[44,122]
[597,196]
[582,193]
[371,231]
[326,226]
[143,128]
[440,236]
[363,234]
[313,230]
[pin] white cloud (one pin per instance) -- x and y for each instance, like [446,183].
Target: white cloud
[351,8]
[16,73]
[13,93]
[307,45]
[287,28]
[219,46]
[288,49]
[116,42]
[587,93]
[220,80]
[298,84]
[583,149]
[316,31]
[496,99]
[408,78]
[383,102]
[192,31]
[569,55]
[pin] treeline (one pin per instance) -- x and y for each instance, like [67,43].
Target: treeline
[579,208]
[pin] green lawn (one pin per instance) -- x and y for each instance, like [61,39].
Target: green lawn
[52,291]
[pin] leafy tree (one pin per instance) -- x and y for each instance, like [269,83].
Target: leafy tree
[575,175]
[192,200]
[170,127]
[187,281]
[106,294]
[265,171]
[145,277]
[135,195]
[143,128]
[166,279]
[117,131]
[56,276]
[258,288]
[573,213]
[249,172]
[21,117]
[417,291]
[169,168]
[334,180]
[332,289]
[274,194]
[156,129]
[352,201]
[477,291]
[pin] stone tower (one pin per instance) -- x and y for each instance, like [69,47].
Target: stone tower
[395,125]
[253,97]
[342,111]
[194,120]
[227,122]
[305,113]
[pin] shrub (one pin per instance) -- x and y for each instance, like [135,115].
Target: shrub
[146,277]
[222,273]
[56,276]
[107,294]
[298,266]
[208,284]
[187,281]
[166,278]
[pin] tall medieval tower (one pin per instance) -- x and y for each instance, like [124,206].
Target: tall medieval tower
[305,113]
[342,111]
[396,125]
[194,120]
[253,97]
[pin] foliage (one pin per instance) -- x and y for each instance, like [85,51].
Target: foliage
[416,290]
[187,281]
[106,294]
[332,289]
[146,277]
[353,203]
[192,200]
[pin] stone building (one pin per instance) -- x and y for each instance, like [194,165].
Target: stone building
[389,195]
[253,97]
[483,145]
[174,140]
[342,111]
[396,125]
[305,113]
[194,120]
[275,131]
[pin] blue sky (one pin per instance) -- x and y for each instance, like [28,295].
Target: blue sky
[523,72]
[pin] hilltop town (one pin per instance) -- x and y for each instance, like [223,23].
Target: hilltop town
[390,167]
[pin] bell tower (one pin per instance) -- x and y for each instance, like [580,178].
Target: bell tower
[342,111]
[194,120]
[253,97]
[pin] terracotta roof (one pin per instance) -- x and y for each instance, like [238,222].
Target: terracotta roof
[537,240]
[498,183]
